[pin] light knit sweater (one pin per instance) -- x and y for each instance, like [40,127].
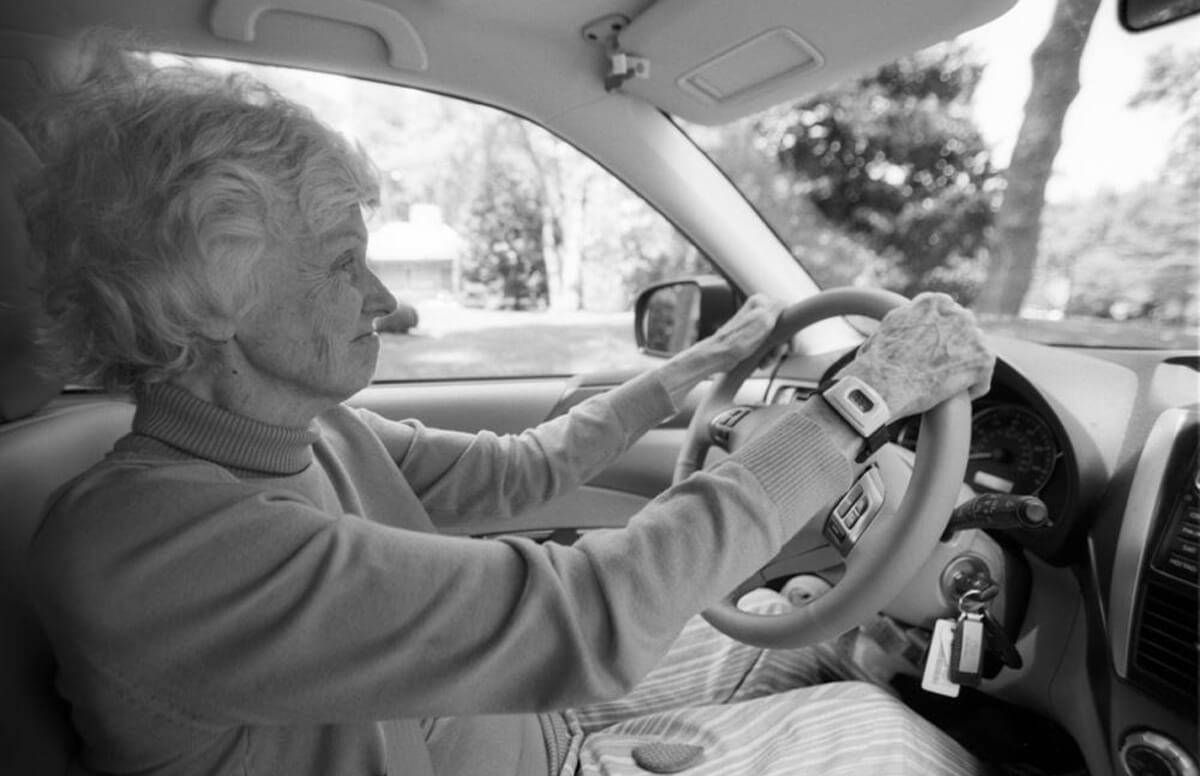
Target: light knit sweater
[229,597]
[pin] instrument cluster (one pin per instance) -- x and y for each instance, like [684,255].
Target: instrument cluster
[1013,449]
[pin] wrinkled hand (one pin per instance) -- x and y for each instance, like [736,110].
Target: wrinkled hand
[923,353]
[742,334]
[731,344]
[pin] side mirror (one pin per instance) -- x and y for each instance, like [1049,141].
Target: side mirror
[672,316]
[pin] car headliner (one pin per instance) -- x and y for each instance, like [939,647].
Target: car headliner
[528,56]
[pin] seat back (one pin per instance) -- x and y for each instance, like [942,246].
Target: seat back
[41,448]
[38,455]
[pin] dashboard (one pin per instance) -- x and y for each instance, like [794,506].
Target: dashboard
[1021,444]
[1108,439]
[1101,436]
[1014,450]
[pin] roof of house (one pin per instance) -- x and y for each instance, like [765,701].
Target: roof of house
[424,237]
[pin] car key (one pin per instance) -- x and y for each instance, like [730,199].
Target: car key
[966,651]
[996,641]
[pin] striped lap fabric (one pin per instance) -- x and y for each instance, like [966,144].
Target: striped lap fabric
[763,712]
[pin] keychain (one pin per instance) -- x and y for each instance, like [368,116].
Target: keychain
[936,677]
[969,640]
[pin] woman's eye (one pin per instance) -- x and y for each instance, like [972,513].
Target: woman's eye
[345,262]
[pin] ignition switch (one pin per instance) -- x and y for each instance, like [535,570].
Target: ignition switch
[964,573]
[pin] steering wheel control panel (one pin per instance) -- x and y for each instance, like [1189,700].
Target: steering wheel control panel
[855,511]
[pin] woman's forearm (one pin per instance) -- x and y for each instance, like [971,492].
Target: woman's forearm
[685,371]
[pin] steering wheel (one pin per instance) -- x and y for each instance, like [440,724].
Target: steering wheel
[901,535]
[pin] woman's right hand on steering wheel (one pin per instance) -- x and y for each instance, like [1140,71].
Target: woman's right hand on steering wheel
[923,353]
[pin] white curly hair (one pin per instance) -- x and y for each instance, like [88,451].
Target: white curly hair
[160,188]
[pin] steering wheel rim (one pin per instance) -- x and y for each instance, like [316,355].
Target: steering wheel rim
[895,545]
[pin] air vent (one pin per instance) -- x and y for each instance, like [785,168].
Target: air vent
[1167,642]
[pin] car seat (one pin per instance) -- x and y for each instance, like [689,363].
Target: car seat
[46,439]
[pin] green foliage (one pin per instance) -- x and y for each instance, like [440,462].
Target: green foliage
[1133,254]
[1172,78]
[650,251]
[1128,255]
[504,232]
[895,160]
[747,152]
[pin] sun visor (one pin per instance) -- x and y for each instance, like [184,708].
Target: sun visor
[713,61]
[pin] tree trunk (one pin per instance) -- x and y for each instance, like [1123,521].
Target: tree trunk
[1018,224]
[572,221]
[563,189]
[549,202]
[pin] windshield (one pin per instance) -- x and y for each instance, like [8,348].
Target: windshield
[975,168]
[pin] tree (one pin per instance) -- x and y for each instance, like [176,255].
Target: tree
[505,226]
[563,177]
[1127,255]
[581,238]
[1018,223]
[1173,78]
[894,159]
[747,151]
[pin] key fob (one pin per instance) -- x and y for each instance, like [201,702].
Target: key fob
[966,651]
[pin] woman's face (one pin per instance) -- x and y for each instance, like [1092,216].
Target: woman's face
[309,333]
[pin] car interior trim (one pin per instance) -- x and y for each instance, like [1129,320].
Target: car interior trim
[701,50]
[1133,544]
[238,20]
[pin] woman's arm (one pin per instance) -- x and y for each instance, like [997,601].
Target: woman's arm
[211,599]
[468,477]
[316,617]
[463,477]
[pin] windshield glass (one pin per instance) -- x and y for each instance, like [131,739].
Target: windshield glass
[975,168]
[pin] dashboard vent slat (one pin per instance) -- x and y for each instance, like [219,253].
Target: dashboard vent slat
[1164,637]
[1169,611]
[1167,641]
[1166,658]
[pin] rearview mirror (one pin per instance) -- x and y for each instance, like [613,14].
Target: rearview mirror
[1138,15]
[670,317]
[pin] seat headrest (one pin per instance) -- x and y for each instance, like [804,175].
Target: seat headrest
[23,389]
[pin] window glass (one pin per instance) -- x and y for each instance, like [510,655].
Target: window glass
[511,253]
[1054,193]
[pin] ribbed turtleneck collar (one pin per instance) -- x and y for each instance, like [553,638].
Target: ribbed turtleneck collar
[179,418]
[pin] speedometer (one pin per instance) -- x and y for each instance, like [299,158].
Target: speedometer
[1012,451]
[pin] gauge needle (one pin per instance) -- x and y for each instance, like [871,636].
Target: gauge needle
[983,456]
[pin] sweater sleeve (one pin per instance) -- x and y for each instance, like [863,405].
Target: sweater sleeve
[217,602]
[465,477]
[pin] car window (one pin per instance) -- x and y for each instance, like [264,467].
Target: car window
[1042,169]
[510,252]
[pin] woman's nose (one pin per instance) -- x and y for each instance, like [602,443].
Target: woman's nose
[378,300]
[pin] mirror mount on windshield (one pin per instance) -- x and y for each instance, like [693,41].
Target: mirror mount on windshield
[673,315]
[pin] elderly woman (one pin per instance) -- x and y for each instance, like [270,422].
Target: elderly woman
[253,580]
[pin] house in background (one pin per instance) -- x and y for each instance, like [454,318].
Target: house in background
[419,258]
